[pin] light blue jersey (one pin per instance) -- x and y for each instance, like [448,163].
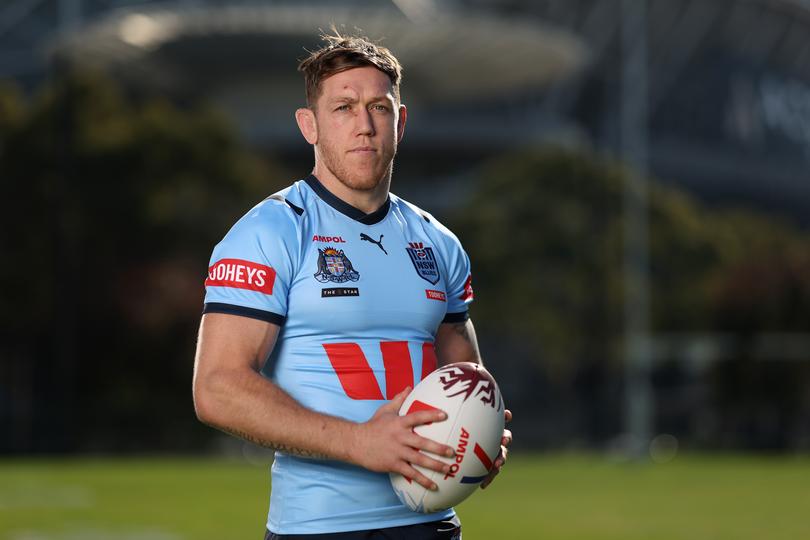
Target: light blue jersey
[359,298]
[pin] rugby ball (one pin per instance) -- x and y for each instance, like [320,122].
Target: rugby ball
[474,427]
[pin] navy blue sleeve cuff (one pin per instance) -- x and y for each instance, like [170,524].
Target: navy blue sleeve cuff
[456,317]
[230,309]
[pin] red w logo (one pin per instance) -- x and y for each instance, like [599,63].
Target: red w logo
[357,377]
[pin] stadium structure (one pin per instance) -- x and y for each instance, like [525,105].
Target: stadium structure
[727,82]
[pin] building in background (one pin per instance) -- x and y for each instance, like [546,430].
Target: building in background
[729,80]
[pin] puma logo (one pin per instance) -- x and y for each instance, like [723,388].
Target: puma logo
[367,238]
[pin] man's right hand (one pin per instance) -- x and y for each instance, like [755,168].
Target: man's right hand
[387,442]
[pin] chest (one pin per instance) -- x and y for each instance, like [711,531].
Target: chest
[386,281]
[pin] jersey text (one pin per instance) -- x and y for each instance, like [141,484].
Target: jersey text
[328,239]
[240,274]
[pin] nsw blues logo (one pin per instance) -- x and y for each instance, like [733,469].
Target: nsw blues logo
[424,261]
[335,266]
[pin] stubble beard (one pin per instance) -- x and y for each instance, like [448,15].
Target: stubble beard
[352,179]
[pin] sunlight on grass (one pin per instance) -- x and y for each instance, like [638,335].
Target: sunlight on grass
[537,496]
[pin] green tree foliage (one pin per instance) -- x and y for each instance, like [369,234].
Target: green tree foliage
[544,229]
[763,292]
[111,206]
[765,283]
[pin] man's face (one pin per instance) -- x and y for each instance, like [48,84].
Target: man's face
[358,126]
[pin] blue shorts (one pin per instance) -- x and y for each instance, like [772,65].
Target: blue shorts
[448,529]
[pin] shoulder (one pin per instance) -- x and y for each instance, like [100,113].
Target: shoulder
[435,229]
[289,201]
[278,216]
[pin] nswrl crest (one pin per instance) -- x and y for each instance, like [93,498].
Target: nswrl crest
[424,261]
[335,266]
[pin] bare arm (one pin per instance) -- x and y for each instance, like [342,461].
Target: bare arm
[230,394]
[456,342]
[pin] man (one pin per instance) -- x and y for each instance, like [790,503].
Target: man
[325,304]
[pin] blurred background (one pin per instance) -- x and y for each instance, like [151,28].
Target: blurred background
[631,179]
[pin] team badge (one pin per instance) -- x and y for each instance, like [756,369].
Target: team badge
[424,261]
[335,266]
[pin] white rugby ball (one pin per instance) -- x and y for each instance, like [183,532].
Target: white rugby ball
[474,427]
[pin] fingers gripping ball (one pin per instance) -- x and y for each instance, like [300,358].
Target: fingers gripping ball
[474,426]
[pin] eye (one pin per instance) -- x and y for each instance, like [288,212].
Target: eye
[379,107]
[344,107]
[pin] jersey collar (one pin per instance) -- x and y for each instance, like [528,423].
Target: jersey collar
[345,208]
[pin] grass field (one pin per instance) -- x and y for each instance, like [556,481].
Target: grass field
[536,497]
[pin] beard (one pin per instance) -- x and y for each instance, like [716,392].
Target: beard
[361,173]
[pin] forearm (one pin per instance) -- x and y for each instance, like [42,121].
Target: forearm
[245,404]
[456,342]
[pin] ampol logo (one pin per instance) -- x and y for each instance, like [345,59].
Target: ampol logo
[328,239]
[461,451]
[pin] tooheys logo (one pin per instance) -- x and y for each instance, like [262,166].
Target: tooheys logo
[461,450]
[241,274]
[436,295]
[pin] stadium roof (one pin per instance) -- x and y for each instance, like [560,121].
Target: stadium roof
[182,46]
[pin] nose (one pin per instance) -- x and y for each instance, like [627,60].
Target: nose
[365,125]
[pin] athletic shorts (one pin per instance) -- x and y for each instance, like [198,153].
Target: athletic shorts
[449,529]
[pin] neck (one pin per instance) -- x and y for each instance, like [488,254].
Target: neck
[366,200]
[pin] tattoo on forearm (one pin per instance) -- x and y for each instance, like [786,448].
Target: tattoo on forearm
[300,452]
[464,330]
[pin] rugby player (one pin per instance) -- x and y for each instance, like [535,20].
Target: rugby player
[325,304]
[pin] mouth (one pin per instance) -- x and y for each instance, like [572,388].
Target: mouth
[363,150]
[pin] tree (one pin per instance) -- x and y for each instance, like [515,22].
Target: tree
[113,205]
[544,231]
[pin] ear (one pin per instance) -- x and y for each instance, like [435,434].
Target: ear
[403,117]
[307,124]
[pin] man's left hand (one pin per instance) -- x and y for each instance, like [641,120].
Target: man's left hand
[506,440]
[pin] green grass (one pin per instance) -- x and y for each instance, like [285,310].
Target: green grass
[536,497]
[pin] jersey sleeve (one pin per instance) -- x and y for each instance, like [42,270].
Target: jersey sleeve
[459,285]
[459,274]
[251,269]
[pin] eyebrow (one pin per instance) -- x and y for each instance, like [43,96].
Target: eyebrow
[346,99]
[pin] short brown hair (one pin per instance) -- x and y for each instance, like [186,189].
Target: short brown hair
[341,53]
